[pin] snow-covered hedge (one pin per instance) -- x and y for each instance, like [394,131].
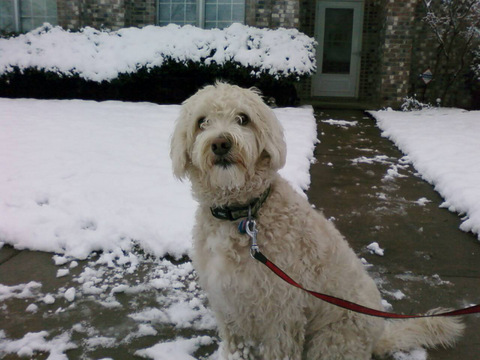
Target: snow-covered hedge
[100,55]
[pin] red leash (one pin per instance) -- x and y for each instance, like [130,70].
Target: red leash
[353,306]
[248,226]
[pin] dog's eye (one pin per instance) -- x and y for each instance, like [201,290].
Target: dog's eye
[243,119]
[201,122]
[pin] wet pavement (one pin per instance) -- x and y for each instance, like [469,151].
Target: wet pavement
[364,183]
[360,181]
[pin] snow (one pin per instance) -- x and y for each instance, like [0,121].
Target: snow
[101,55]
[341,123]
[179,349]
[33,342]
[48,299]
[70,294]
[417,354]
[21,291]
[76,171]
[140,309]
[422,201]
[100,341]
[62,272]
[374,248]
[444,147]
[81,176]
[396,295]
[32,308]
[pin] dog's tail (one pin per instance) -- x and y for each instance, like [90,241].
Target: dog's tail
[427,332]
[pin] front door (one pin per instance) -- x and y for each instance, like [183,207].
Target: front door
[338,31]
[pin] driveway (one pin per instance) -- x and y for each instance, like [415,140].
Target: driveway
[366,186]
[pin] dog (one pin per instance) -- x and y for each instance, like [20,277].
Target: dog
[230,145]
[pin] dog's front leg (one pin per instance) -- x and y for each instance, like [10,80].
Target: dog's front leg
[273,341]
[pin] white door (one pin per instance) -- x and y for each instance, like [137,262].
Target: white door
[338,31]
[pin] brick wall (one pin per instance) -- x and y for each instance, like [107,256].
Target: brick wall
[68,14]
[307,9]
[74,14]
[111,14]
[396,51]
[273,13]
[140,12]
[369,82]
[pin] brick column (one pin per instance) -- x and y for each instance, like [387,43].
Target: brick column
[396,51]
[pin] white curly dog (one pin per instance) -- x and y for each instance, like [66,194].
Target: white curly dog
[230,145]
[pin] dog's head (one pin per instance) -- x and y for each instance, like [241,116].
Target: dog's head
[224,135]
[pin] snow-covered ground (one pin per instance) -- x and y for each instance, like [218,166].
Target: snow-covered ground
[444,147]
[82,176]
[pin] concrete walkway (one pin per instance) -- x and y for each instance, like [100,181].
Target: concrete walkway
[426,256]
[428,262]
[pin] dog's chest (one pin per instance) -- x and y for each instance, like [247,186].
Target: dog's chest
[224,265]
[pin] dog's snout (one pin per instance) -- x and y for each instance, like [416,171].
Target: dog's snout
[221,146]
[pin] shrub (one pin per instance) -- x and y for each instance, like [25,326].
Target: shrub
[413,104]
[454,26]
[160,64]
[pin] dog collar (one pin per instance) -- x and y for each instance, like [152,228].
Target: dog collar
[233,213]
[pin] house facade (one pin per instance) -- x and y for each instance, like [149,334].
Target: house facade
[368,50]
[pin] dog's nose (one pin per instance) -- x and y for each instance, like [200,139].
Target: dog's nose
[221,146]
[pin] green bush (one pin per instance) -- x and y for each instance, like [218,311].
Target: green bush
[156,64]
[171,83]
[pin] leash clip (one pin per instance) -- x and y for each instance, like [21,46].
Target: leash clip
[249,226]
[251,229]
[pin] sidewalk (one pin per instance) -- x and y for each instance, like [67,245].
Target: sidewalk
[426,256]
[359,180]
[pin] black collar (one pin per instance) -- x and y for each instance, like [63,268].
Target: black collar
[233,213]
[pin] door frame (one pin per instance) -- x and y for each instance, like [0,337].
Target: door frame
[319,78]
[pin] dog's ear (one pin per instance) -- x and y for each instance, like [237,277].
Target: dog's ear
[275,144]
[178,149]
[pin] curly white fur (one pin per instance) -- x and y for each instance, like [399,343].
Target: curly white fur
[259,316]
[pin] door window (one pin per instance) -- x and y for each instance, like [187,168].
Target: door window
[337,45]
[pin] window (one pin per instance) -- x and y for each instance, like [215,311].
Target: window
[7,15]
[33,13]
[203,13]
[222,13]
[181,12]
[25,15]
